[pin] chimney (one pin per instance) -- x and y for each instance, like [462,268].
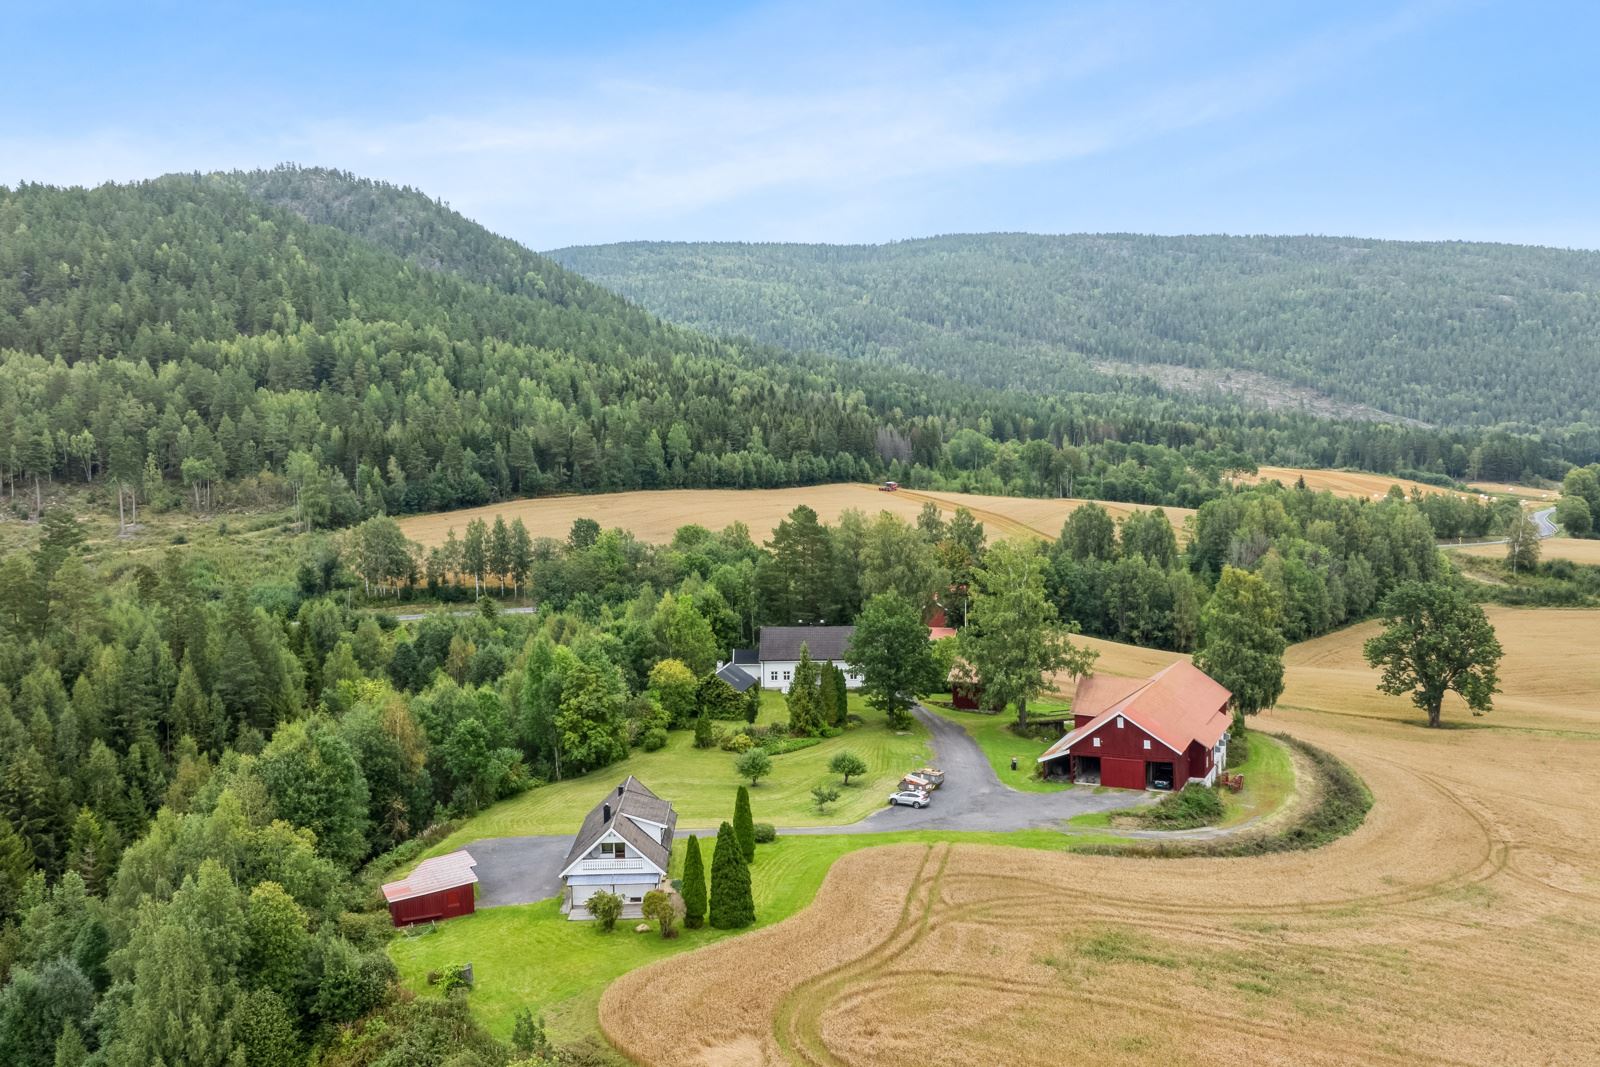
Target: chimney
[605,815]
[621,787]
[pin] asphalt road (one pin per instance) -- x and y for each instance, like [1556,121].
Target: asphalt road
[1541,519]
[521,870]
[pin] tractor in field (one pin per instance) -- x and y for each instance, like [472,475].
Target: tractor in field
[889,487]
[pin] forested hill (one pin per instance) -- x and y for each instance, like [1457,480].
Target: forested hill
[1454,334]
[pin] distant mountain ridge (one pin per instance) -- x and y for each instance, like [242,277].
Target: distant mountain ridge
[1450,333]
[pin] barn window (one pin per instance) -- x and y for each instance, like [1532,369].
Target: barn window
[1097,742]
[1119,722]
[1147,744]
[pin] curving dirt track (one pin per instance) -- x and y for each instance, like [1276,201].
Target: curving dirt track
[1459,925]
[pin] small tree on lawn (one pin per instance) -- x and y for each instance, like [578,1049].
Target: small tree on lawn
[754,765]
[847,764]
[661,908]
[828,702]
[1436,641]
[733,903]
[606,908]
[824,795]
[744,824]
[528,1040]
[806,714]
[752,704]
[694,886]
[704,735]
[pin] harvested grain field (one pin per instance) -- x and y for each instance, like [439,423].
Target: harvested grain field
[1345,483]
[1458,925]
[655,515]
[1578,550]
[1526,492]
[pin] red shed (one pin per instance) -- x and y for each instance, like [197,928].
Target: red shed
[1161,732]
[440,888]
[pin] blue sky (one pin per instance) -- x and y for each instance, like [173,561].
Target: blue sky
[817,121]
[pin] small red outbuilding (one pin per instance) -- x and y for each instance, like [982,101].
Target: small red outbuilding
[440,888]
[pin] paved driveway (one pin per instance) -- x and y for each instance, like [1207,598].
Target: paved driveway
[520,870]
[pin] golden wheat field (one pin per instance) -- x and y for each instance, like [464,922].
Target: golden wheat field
[1343,483]
[1578,550]
[1459,925]
[655,515]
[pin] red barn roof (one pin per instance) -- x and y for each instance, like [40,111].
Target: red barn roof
[1178,705]
[432,876]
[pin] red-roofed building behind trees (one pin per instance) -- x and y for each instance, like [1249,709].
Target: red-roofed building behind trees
[1161,732]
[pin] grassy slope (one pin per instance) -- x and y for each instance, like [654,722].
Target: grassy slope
[992,733]
[529,955]
[701,782]
[1268,781]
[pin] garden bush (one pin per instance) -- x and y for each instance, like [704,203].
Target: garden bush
[765,833]
[654,739]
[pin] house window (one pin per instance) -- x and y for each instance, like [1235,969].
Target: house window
[636,900]
[1147,744]
[774,677]
[614,849]
[786,676]
[1097,742]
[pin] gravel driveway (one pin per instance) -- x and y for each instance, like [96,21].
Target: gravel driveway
[521,870]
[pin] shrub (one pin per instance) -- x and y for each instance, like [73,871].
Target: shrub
[744,826]
[606,908]
[779,746]
[736,742]
[693,886]
[732,903]
[754,765]
[662,908]
[455,976]
[899,719]
[654,739]
[528,1040]
[765,833]
[824,795]
[1193,805]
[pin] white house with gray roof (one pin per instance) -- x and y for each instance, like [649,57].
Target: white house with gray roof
[780,652]
[623,847]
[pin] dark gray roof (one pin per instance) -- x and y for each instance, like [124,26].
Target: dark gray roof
[737,677]
[823,642]
[629,798]
[746,655]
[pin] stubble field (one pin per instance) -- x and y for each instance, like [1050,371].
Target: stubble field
[1458,925]
[654,515]
[1578,550]
[1345,483]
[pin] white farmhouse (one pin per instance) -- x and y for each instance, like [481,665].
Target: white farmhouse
[623,847]
[780,652]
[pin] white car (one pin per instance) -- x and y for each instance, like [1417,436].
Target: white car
[912,797]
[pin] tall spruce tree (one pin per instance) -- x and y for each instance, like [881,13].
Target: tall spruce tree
[744,824]
[733,904]
[694,885]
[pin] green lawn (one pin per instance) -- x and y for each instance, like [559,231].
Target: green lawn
[701,783]
[1268,781]
[531,955]
[994,736]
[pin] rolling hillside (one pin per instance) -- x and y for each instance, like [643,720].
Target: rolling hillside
[1453,334]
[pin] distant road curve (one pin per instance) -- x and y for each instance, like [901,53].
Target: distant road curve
[1541,519]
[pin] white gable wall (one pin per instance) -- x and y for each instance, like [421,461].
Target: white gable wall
[779,674]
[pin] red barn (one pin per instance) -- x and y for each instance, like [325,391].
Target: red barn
[1161,732]
[440,888]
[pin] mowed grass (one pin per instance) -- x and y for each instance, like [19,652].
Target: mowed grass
[992,732]
[1577,550]
[701,783]
[531,956]
[655,515]
[1268,781]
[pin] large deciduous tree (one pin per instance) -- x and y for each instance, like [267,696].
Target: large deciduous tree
[891,652]
[1013,640]
[1241,643]
[1435,641]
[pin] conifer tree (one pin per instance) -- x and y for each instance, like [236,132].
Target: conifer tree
[744,824]
[694,885]
[732,902]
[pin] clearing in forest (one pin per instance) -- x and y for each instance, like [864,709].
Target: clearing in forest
[655,514]
[1477,870]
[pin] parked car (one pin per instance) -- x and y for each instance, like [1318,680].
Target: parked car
[913,797]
